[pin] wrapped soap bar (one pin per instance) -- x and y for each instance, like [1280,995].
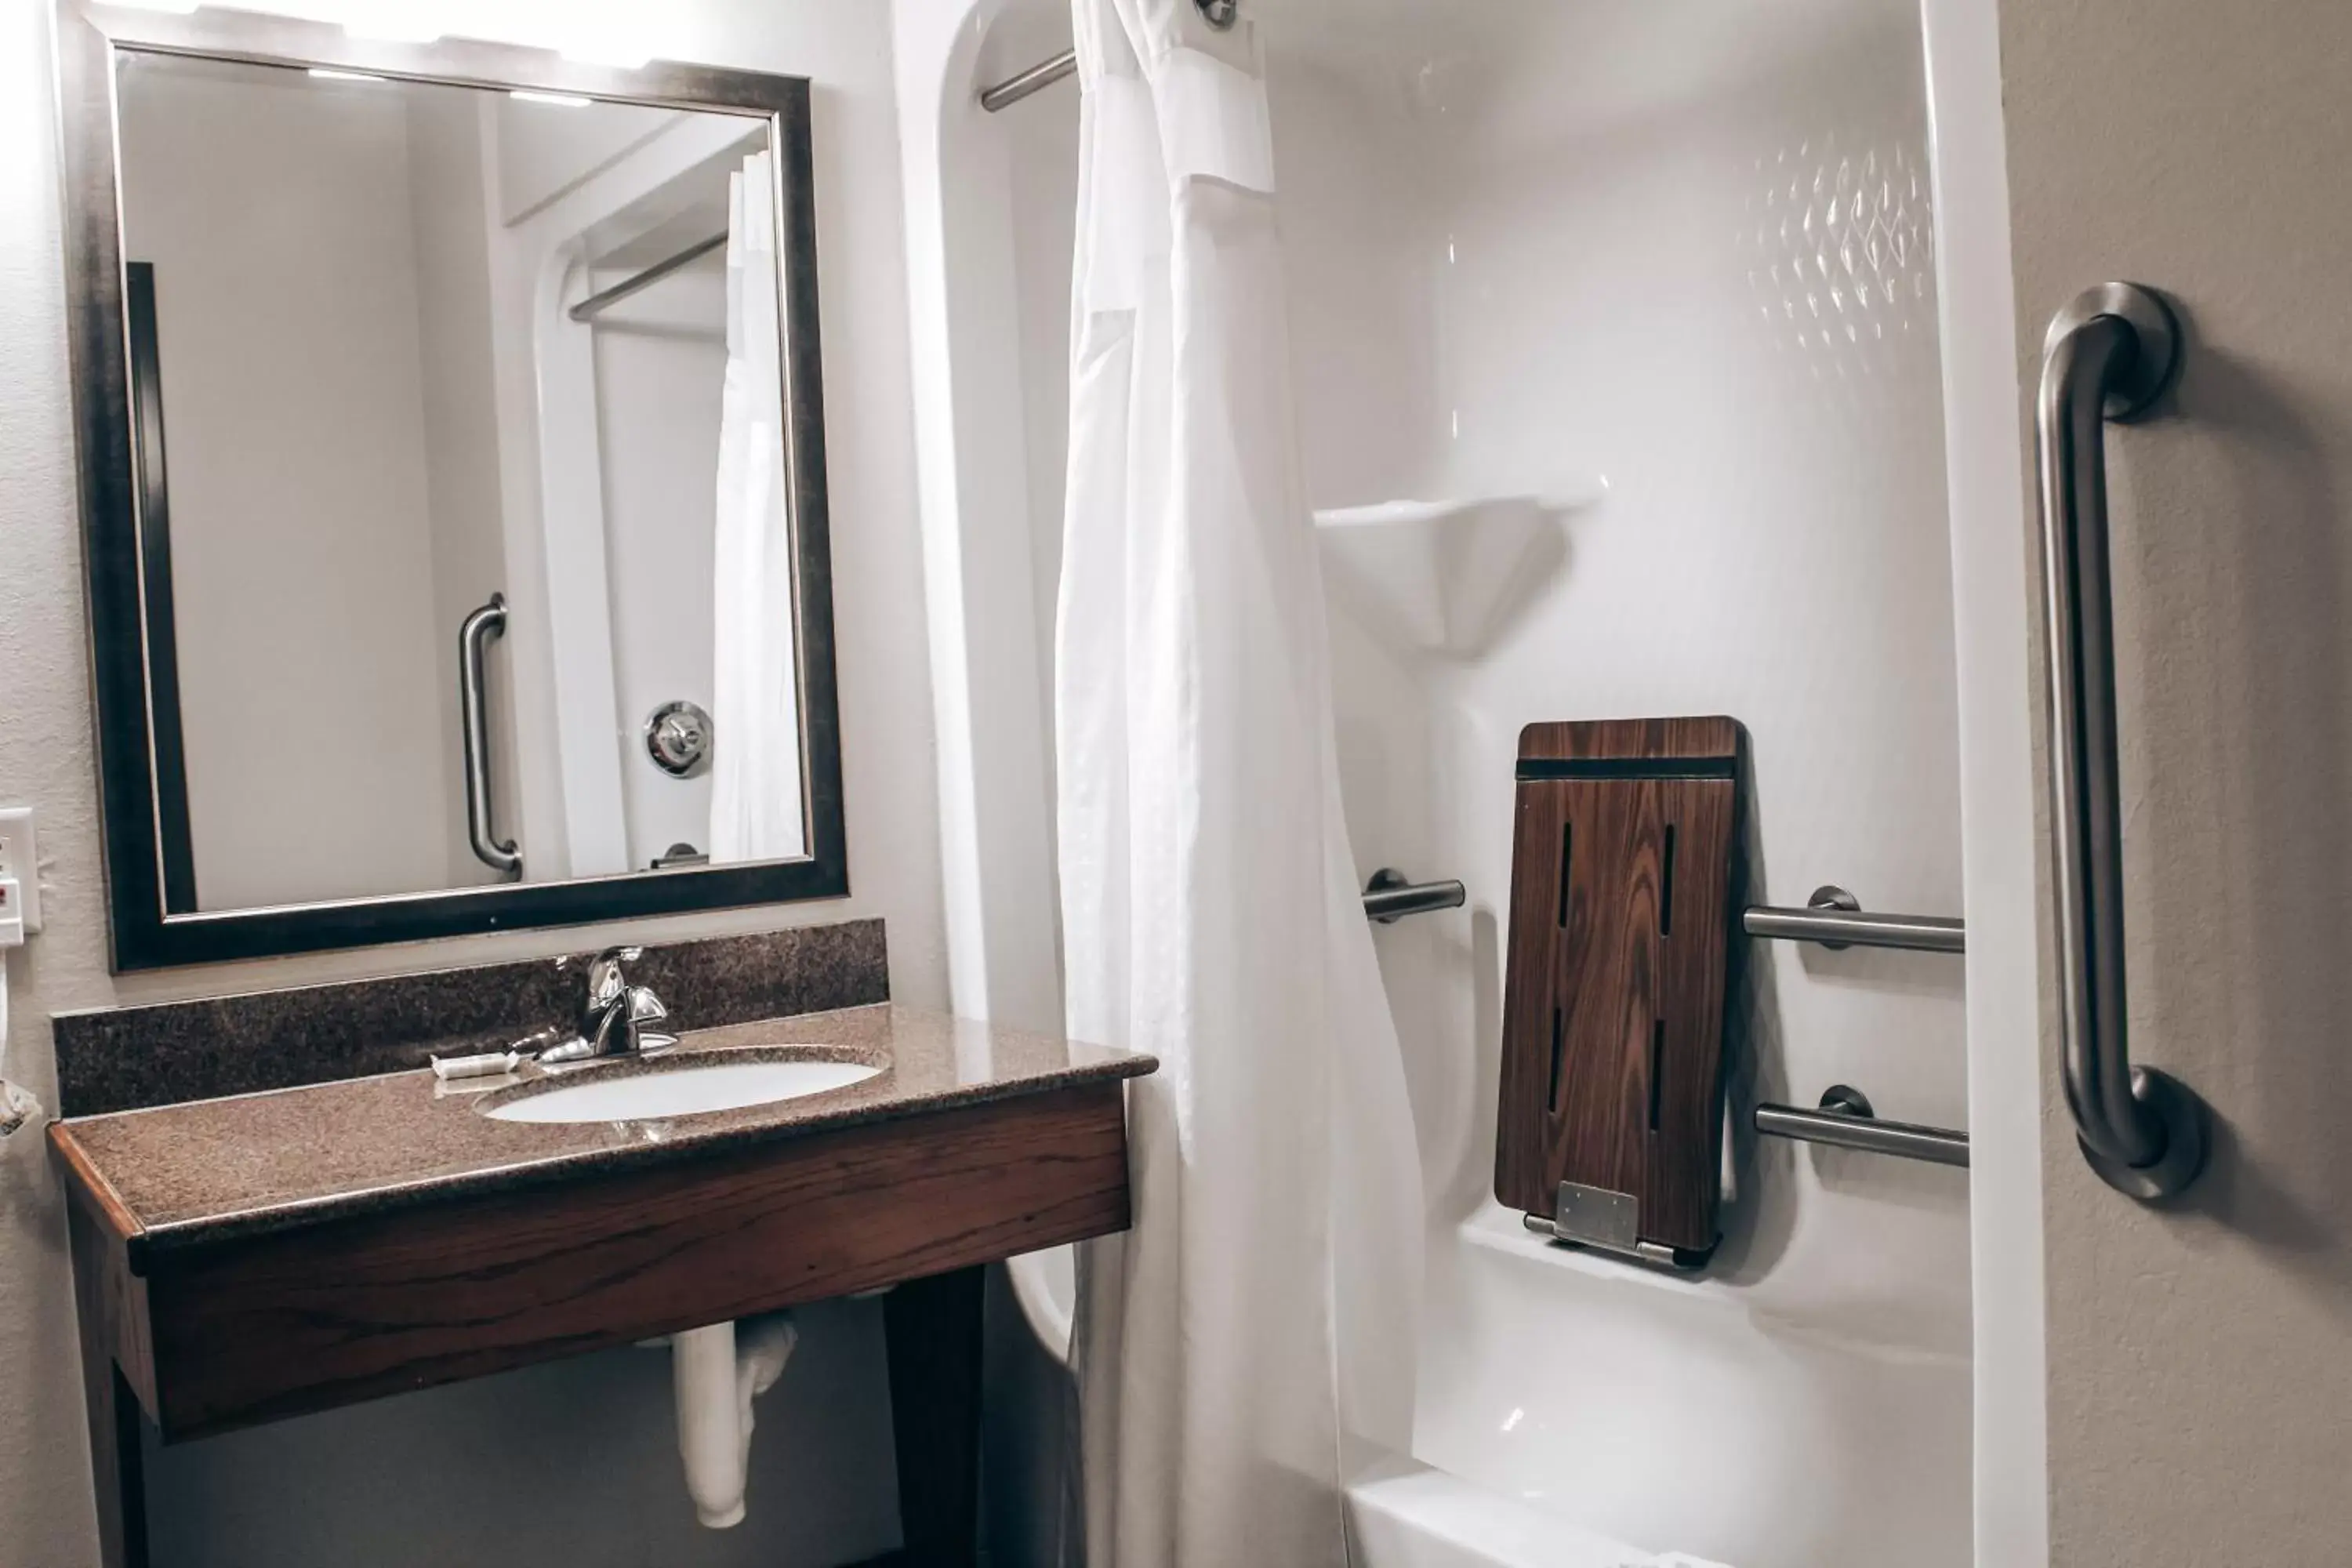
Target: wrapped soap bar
[490,1064]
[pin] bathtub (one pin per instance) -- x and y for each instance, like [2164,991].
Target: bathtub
[1400,1513]
[1407,1515]
[1664,275]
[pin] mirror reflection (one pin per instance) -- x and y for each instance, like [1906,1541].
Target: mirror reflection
[466,538]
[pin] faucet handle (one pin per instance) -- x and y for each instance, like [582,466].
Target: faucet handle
[606,984]
[644,1007]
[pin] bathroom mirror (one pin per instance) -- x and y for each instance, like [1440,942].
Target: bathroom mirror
[452,458]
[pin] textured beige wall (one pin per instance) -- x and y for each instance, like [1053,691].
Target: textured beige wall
[46,759]
[2200,1360]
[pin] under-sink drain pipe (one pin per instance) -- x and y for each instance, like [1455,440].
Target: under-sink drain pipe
[718,1373]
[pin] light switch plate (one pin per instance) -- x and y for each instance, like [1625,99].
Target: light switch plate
[20,856]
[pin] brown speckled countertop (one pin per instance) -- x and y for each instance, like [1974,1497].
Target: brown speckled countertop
[208,1169]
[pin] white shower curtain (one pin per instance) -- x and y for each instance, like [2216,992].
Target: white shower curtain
[755,761]
[1256,1323]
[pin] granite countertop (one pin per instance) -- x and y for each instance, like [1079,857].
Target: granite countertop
[208,1169]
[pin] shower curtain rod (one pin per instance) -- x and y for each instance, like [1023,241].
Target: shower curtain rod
[587,309]
[1036,78]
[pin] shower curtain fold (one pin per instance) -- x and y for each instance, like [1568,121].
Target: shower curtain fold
[755,763]
[1254,1329]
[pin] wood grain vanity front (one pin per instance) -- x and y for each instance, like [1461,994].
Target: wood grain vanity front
[295,1320]
[302,1302]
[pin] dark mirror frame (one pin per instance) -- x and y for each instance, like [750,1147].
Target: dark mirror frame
[127,652]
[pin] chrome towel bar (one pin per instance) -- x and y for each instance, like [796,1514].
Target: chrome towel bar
[1847,1121]
[1835,919]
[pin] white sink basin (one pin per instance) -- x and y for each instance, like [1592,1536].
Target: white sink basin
[681,1090]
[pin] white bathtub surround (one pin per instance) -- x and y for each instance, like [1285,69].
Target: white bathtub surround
[719,1370]
[755,800]
[1406,1515]
[1262,1306]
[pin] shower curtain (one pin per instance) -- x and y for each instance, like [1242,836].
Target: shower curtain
[1250,1340]
[755,761]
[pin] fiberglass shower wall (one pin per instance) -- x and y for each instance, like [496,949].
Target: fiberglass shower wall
[1669,272]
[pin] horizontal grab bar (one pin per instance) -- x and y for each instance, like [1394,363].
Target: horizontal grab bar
[1388,897]
[1847,1121]
[1836,919]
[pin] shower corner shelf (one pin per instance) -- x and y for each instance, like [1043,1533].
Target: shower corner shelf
[1447,576]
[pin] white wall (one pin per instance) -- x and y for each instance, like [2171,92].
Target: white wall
[277,212]
[980,536]
[2200,1350]
[546,150]
[1992,614]
[990,217]
[405,1469]
[447,203]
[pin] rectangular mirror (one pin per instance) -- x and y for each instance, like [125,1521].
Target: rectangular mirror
[452,473]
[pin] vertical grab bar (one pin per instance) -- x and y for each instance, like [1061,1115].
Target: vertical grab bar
[2107,355]
[473,637]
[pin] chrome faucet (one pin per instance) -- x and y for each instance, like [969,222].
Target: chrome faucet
[610,1017]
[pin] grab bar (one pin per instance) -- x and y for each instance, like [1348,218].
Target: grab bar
[2107,355]
[1846,1120]
[473,637]
[1389,897]
[1835,919]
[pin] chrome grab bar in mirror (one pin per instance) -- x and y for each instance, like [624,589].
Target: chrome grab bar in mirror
[2108,354]
[1847,1121]
[473,639]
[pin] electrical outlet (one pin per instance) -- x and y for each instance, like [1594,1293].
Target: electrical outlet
[20,858]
